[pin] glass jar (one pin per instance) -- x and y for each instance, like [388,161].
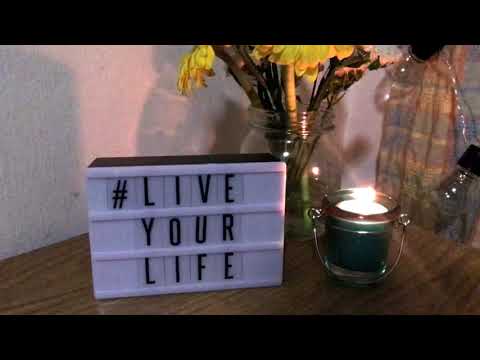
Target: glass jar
[357,248]
[306,142]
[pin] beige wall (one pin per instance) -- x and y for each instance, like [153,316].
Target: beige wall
[62,106]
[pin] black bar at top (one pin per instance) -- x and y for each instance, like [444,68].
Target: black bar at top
[182,160]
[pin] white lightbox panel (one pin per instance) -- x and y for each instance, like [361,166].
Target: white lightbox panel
[146,218]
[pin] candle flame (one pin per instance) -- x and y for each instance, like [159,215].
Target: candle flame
[365,194]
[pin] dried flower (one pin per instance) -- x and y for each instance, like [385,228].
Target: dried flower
[194,66]
[388,54]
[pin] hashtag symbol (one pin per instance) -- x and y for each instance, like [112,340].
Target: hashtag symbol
[120,194]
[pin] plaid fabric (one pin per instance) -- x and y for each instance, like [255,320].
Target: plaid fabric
[423,137]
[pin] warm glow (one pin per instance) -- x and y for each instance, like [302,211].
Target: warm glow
[315,170]
[363,203]
[365,194]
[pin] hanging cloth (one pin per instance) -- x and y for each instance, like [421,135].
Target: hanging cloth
[431,117]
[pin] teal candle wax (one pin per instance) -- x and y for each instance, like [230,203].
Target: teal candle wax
[358,245]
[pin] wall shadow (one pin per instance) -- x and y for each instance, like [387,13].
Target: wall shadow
[230,130]
[209,121]
[165,120]
[39,151]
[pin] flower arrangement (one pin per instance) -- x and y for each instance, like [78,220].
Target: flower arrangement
[270,74]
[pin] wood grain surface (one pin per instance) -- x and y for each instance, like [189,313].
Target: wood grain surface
[434,277]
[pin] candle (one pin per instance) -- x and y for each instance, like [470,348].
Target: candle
[358,244]
[357,233]
[362,208]
[363,203]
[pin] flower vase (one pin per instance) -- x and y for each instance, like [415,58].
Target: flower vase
[303,142]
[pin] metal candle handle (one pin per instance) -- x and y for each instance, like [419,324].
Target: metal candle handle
[403,220]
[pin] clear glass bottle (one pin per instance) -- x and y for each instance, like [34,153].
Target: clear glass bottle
[452,197]
[447,208]
[456,198]
[406,75]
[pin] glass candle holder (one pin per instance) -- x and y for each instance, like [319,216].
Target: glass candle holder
[357,232]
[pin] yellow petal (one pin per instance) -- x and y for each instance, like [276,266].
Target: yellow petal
[332,52]
[183,75]
[261,51]
[314,54]
[311,74]
[300,69]
[344,51]
[183,63]
[284,54]
[194,67]
[278,48]
[324,51]
[202,57]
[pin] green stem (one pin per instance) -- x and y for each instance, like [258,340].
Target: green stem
[300,160]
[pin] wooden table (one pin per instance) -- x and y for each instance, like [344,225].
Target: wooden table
[434,277]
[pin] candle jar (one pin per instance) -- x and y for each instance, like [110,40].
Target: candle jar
[356,247]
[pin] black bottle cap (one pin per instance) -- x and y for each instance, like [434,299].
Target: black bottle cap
[425,52]
[470,160]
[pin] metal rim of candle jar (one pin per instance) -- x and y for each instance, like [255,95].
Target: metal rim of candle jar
[329,206]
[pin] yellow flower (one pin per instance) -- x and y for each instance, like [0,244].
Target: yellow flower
[306,58]
[309,59]
[194,66]
[261,51]
[311,73]
[284,54]
[343,51]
